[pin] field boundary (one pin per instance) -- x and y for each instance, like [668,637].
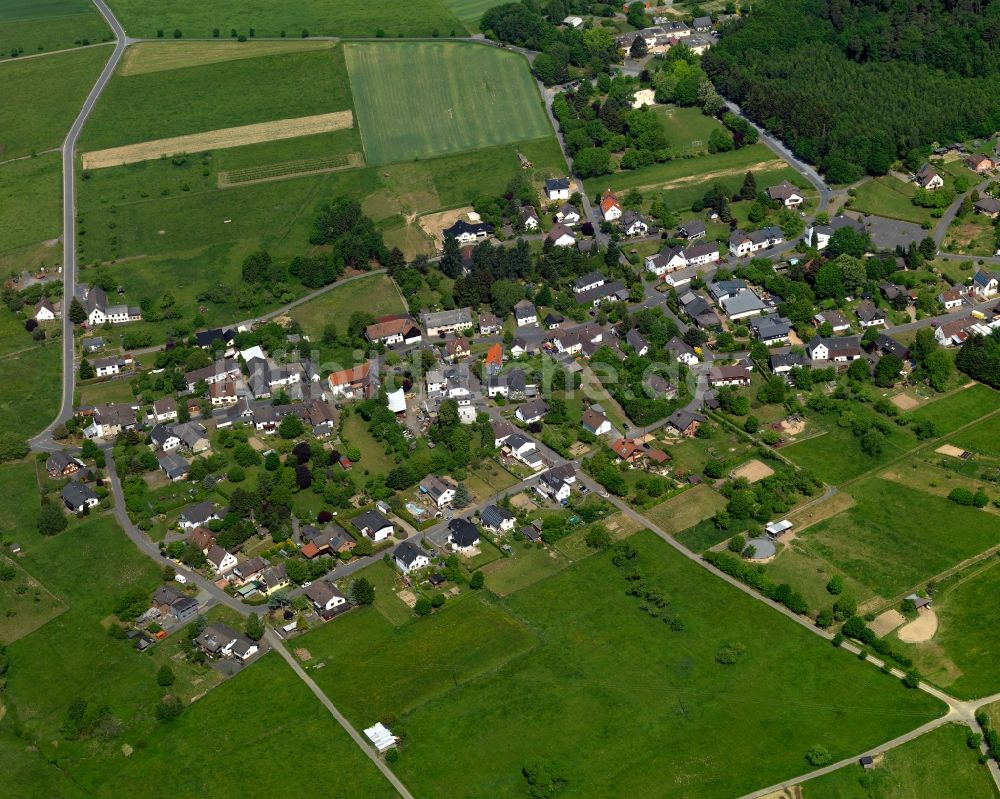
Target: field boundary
[220,138]
[289,169]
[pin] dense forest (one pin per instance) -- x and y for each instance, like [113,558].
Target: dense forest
[853,85]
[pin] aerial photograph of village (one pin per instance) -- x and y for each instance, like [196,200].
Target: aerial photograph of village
[470,399]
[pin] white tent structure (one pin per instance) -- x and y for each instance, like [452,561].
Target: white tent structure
[397,401]
[381,737]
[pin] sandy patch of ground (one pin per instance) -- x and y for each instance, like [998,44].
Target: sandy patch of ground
[792,427]
[795,792]
[219,139]
[921,628]
[753,471]
[303,654]
[886,622]
[523,502]
[146,57]
[950,450]
[408,598]
[433,224]
[905,402]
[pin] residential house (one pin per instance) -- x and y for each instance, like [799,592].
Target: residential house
[702,254]
[358,382]
[489,324]
[221,640]
[985,284]
[987,206]
[837,321]
[632,224]
[493,362]
[331,540]
[526,314]
[193,436]
[728,376]
[173,465]
[436,381]
[373,524]
[99,312]
[248,570]
[514,384]
[890,346]
[208,339]
[606,292]
[198,515]
[589,281]
[92,345]
[669,259]
[819,236]
[561,236]
[685,423]
[409,557]
[557,189]
[637,342]
[979,163]
[78,497]
[771,329]
[530,220]
[783,363]
[440,323]
[553,487]
[221,560]
[595,422]
[691,230]
[502,430]
[698,44]
[743,304]
[699,311]
[568,215]
[869,315]
[393,330]
[518,347]
[743,244]
[457,348]
[839,350]
[702,24]
[61,464]
[44,310]
[553,321]
[953,298]
[498,520]
[682,351]
[273,579]
[200,537]
[785,193]
[611,209]
[107,421]
[468,232]
[170,601]
[440,491]
[927,178]
[523,449]
[533,411]
[224,371]
[222,395]
[463,536]
[164,409]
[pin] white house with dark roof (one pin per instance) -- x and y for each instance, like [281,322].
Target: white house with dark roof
[497,519]
[78,497]
[440,491]
[526,314]
[373,524]
[533,411]
[463,536]
[557,189]
[409,557]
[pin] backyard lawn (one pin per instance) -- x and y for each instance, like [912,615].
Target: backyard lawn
[354,433]
[453,97]
[560,655]
[890,197]
[935,765]
[884,544]
[376,295]
[687,129]
[687,509]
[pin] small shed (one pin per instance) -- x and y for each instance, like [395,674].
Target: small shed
[381,737]
[919,601]
[775,529]
[866,762]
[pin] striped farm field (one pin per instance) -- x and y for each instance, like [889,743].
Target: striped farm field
[418,100]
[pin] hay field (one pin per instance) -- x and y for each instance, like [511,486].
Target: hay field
[146,57]
[218,139]
[453,96]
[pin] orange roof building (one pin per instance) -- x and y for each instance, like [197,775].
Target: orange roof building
[353,382]
[494,355]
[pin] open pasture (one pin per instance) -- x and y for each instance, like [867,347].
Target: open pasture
[884,544]
[197,19]
[30,202]
[469,11]
[36,26]
[561,654]
[144,107]
[42,96]
[454,97]
[180,54]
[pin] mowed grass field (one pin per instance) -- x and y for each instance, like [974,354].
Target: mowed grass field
[138,107]
[42,96]
[375,294]
[687,129]
[34,26]
[469,11]
[959,409]
[30,202]
[626,706]
[935,765]
[888,196]
[31,390]
[196,19]
[452,96]
[895,538]
[961,656]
